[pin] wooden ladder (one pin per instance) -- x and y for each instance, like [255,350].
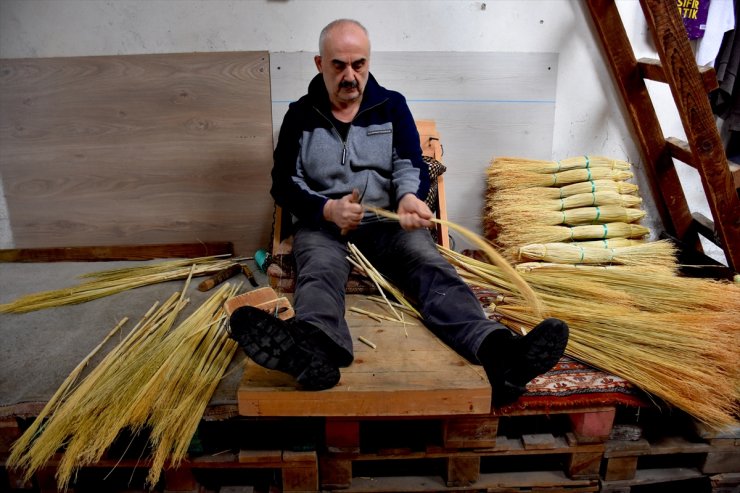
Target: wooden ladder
[704,150]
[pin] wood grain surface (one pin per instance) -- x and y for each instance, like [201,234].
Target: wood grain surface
[405,375]
[137,149]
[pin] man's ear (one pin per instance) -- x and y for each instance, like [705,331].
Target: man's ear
[317,61]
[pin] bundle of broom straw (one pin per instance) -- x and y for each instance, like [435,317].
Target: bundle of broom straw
[528,206]
[113,281]
[160,377]
[674,338]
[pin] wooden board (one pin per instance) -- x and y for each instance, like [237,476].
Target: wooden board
[414,375]
[140,149]
[484,104]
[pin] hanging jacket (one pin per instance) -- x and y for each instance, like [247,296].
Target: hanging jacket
[380,157]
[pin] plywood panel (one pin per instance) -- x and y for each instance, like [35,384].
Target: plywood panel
[484,104]
[137,149]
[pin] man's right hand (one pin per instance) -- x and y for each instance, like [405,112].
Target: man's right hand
[346,212]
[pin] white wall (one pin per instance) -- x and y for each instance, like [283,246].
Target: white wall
[588,117]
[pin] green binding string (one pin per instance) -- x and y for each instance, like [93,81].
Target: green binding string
[562,202]
[606,231]
[589,175]
[588,162]
[558,166]
[593,200]
[583,254]
[564,218]
[598,215]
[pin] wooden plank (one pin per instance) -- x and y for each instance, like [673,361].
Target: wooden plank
[698,121]
[665,187]
[414,375]
[681,150]
[653,69]
[117,252]
[138,149]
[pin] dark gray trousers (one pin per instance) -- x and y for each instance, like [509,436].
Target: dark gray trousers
[410,260]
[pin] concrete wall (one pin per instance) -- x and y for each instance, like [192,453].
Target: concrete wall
[588,116]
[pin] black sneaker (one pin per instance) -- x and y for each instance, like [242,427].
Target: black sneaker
[270,342]
[511,361]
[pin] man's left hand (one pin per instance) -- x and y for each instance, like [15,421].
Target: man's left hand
[414,213]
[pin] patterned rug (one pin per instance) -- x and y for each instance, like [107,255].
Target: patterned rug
[570,383]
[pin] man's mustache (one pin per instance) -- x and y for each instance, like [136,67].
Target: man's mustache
[349,84]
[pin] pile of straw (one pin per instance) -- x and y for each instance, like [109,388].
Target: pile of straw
[677,339]
[109,282]
[158,379]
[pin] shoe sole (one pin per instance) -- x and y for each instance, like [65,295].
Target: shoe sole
[543,348]
[269,343]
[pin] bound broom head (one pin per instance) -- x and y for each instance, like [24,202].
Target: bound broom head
[572,217]
[657,253]
[529,199]
[502,179]
[512,238]
[578,162]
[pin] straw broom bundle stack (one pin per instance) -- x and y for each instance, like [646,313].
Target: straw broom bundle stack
[531,205]
[158,378]
[675,338]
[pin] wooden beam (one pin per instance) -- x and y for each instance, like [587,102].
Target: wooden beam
[117,252]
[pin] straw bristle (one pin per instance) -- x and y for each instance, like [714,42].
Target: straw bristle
[675,338]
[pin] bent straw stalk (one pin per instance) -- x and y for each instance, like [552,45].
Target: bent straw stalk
[496,258]
[578,162]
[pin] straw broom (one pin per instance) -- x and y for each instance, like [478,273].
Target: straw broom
[109,282]
[513,237]
[651,289]
[658,253]
[527,200]
[572,217]
[687,357]
[526,179]
[578,188]
[578,162]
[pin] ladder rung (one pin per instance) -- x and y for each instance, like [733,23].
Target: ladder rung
[652,69]
[735,170]
[681,150]
[705,227]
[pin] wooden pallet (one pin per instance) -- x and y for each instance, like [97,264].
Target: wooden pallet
[681,454]
[485,451]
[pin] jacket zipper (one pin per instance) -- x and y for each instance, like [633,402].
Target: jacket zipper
[344,141]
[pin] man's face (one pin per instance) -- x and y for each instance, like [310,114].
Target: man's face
[345,64]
